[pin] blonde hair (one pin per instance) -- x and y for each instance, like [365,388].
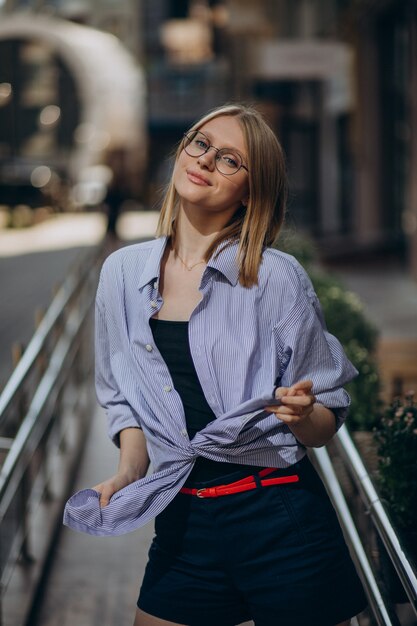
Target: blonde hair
[256,225]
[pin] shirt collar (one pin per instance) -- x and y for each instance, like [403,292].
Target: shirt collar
[223,261]
[153,264]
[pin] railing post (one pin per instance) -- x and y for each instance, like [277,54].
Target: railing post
[17,351]
[21,402]
[23,505]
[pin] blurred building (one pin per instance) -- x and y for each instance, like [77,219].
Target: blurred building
[384,134]
[336,79]
[72,97]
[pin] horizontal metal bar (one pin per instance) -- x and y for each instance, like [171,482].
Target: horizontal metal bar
[375,598]
[46,390]
[62,298]
[378,514]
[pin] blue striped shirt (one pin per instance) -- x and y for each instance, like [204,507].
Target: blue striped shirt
[244,342]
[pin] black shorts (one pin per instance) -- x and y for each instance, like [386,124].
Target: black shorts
[275,555]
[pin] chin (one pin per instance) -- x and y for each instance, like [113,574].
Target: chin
[192,194]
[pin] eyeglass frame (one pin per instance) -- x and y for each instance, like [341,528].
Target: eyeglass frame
[210,145]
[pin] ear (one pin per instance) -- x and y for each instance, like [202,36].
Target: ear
[245,201]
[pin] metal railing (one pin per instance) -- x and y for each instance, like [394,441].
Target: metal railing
[382,607]
[43,423]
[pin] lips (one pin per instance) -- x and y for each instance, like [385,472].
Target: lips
[197,178]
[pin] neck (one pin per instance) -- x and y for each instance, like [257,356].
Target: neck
[193,241]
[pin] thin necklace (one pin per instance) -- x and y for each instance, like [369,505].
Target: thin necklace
[189,267]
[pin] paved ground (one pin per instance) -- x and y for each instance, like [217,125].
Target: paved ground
[388,293]
[33,261]
[389,296]
[26,283]
[95,581]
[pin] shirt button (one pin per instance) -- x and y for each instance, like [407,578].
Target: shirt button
[167,388]
[184,432]
[155,285]
[149,347]
[154,304]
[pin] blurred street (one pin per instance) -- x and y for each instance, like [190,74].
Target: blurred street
[34,277]
[388,294]
[389,297]
[36,260]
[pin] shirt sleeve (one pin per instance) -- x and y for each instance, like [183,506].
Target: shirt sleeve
[307,351]
[120,414]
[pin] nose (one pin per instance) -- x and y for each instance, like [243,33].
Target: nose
[208,158]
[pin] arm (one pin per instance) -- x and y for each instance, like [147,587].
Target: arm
[120,414]
[133,464]
[312,424]
[309,358]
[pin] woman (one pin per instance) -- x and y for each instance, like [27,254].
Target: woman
[214,364]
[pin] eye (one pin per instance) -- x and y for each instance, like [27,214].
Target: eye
[201,142]
[231,160]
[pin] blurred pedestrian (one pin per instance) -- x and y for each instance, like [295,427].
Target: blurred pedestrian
[214,363]
[117,190]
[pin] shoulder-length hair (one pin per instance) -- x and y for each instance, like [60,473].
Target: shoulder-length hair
[256,225]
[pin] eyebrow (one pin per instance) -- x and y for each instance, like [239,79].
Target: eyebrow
[210,136]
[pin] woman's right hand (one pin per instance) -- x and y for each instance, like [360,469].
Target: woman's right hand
[109,487]
[133,464]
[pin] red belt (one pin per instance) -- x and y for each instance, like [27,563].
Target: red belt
[245,484]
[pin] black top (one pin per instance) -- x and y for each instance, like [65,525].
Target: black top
[171,338]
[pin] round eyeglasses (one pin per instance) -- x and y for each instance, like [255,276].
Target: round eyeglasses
[227,161]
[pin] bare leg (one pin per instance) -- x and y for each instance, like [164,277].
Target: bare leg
[144,619]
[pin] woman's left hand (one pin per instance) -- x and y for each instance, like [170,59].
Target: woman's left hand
[297,402]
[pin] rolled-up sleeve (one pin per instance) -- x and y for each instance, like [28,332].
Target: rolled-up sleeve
[309,352]
[120,414]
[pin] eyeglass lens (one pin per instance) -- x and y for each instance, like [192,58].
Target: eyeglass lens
[227,161]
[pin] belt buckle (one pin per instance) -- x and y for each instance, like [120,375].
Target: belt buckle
[199,493]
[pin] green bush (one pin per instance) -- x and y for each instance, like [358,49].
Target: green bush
[345,318]
[300,246]
[396,439]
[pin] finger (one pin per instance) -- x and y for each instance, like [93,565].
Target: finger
[280,410]
[105,495]
[302,385]
[280,392]
[104,499]
[301,401]
[288,418]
